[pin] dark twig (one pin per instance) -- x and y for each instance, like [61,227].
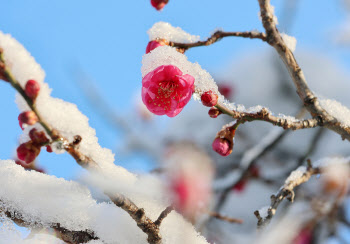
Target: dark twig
[218,35]
[143,222]
[312,146]
[225,218]
[163,215]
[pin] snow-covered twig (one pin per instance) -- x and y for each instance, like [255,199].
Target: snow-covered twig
[64,234]
[296,178]
[218,35]
[138,214]
[265,115]
[143,222]
[311,103]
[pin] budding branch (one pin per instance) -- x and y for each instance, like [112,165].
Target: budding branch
[138,214]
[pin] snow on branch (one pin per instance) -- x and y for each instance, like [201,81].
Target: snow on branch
[183,40]
[68,130]
[311,102]
[69,208]
[299,176]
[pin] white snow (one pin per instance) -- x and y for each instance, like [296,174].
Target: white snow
[47,200]
[264,211]
[166,55]
[295,175]
[166,31]
[290,41]
[337,110]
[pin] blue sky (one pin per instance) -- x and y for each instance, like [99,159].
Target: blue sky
[106,40]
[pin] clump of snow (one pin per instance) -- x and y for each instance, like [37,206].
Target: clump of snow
[166,31]
[166,55]
[295,175]
[21,63]
[337,110]
[290,41]
[63,116]
[47,200]
[264,211]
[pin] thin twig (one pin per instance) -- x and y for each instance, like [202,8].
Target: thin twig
[286,191]
[163,215]
[265,115]
[225,218]
[218,35]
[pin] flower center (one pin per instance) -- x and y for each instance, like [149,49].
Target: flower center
[166,88]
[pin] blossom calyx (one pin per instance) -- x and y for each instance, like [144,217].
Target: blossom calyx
[209,99]
[28,118]
[38,137]
[214,112]
[28,151]
[223,142]
[159,4]
[156,43]
[32,89]
[166,90]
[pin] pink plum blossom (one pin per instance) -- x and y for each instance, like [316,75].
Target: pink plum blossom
[166,90]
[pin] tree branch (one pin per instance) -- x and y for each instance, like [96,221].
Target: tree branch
[265,115]
[69,236]
[218,35]
[308,98]
[138,214]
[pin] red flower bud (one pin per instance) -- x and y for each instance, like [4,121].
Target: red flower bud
[222,146]
[225,90]
[240,186]
[214,112]
[38,137]
[209,99]
[32,89]
[159,4]
[154,44]
[49,149]
[28,117]
[28,151]
[2,71]
[223,142]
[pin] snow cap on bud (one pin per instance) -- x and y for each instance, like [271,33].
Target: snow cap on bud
[209,99]
[156,43]
[28,118]
[38,137]
[28,151]
[223,142]
[159,4]
[214,112]
[32,89]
